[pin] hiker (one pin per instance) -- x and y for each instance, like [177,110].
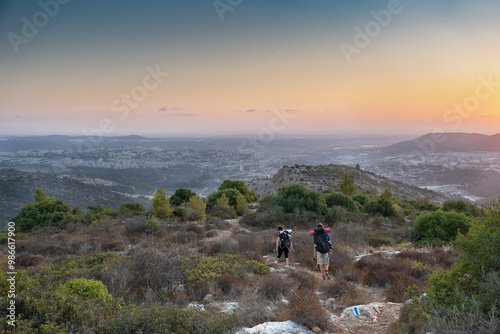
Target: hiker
[322,249]
[283,244]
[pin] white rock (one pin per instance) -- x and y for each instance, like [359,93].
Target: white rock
[284,327]
[330,303]
[365,313]
[208,297]
[197,307]
[179,288]
[226,307]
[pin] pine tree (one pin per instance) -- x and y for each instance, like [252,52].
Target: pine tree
[197,208]
[161,205]
[347,186]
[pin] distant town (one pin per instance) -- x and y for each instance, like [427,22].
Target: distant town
[229,162]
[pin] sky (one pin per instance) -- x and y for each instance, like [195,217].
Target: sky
[224,67]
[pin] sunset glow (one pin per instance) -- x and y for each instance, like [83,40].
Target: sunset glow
[94,61]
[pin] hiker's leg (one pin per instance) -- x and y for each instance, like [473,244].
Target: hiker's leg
[286,256]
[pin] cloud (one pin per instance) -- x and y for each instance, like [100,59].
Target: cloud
[181,115]
[251,110]
[163,109]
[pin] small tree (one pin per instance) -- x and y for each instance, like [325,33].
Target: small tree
[161,205]
[347,185]
[196,209]
[241,205]
[222,208]
[180,196]
[387,194]
[248,193]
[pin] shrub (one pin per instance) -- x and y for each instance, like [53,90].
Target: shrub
[180,196]
[152,226]
[273,286]
[461,207]
[132,208]
[339,199]
[297,196]
[231,284]
[440,227]
[85,289]
[305,309]
[167,319]
[231,194]
[382,206]
[45,211]
[396,292]
[470,290]
[361,198]
[247,193]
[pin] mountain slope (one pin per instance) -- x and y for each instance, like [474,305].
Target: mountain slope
[17,188]
[321,177]
[446,142]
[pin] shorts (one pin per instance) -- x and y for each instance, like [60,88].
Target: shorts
[322,258]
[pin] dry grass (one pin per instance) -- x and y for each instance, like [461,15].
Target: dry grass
[231,285]
[274,287]
[397,291]
[303,280]
[306,309]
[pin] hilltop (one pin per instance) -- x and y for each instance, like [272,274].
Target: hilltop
[319,178]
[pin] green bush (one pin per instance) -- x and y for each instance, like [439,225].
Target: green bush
[461,207]
[132,208]
[231,194]
[248,193]
[339,199]
[201,271]
[180,196]
[299,197]
[382,206]
[466,298]
[439,227]
[86,289]
[42,212]
[361,198]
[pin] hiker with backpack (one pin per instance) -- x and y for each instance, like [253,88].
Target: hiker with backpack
[283,244]
[322,249]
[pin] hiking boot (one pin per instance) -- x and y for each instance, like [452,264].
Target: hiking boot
[324,279]
[327,275]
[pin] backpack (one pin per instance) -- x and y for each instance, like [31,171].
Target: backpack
[285,239]
[321,240]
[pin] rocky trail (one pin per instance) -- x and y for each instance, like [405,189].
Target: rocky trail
[373,317]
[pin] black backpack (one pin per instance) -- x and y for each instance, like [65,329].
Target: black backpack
[285,239]
[321,240]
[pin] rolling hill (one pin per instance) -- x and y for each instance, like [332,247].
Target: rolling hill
[321,177]
[445,142]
